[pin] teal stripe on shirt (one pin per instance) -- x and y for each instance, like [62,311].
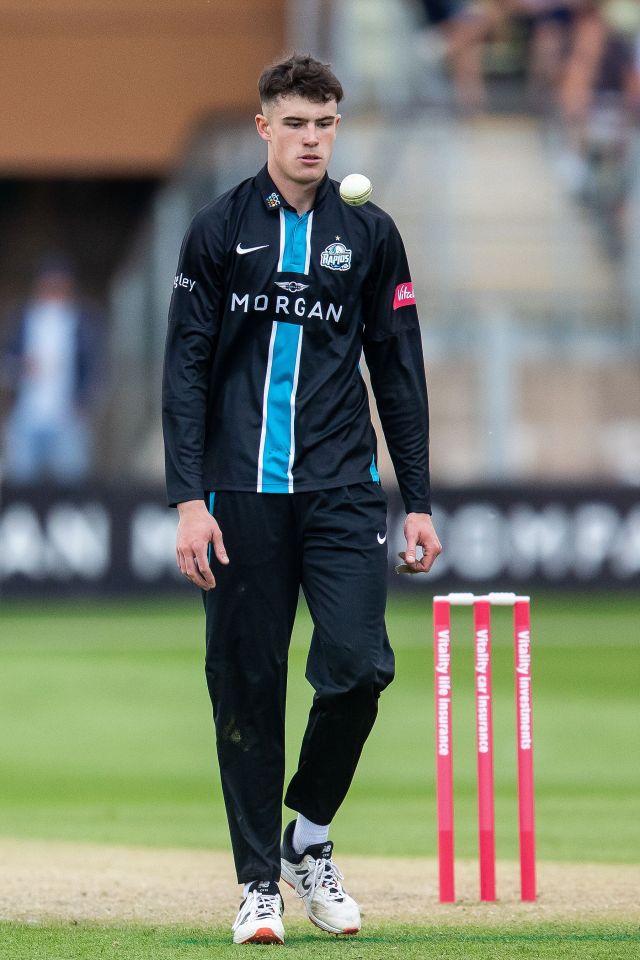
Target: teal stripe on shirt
[276,455]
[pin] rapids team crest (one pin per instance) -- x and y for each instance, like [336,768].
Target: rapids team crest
[336,257]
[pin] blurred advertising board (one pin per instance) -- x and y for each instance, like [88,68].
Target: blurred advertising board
[120,540]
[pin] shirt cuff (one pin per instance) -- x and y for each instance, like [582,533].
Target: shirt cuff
[174,497]
[418,506]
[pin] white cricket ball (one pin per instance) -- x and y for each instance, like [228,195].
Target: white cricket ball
[355,189]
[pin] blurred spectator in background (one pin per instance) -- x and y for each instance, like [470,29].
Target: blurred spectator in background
[581,60]
[457,30]
[550,24]
[599,98]
[49,373]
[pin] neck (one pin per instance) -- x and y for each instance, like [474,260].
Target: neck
[301,196]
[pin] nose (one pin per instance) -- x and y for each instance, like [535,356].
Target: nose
[310,134]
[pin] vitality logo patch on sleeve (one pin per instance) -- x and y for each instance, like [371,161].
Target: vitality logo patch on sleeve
[403,296]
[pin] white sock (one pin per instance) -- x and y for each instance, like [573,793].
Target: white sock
[306,833]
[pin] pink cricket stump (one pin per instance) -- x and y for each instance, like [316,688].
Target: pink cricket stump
[524,730]
[484,748]
[444,759]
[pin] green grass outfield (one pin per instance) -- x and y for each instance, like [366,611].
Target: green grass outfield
[86,942]
[107,736]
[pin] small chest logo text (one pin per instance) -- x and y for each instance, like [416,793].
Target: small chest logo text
[336,257]
[403,296]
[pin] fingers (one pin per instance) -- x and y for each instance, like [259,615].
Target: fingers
[196,568]
[410,552]
[204,569]
[218,546]
[419,531]
[409,566]
[192,549]
[431,550]
[403,567]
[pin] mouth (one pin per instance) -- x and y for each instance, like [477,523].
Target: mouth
[310,158]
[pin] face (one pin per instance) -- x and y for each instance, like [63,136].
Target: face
[300,135]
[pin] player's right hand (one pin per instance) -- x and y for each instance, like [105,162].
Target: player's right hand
[196,530]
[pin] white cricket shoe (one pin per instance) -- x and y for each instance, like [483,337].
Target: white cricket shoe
[317,881]
[259,918]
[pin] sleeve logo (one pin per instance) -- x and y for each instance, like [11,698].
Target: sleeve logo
[403,296]
[181,281]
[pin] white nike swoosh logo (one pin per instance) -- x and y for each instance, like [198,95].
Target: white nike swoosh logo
[381,539]
[242,250]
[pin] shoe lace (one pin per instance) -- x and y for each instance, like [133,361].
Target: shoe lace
[258,906]
[324,874]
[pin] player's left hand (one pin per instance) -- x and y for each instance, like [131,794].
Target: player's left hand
[419,531]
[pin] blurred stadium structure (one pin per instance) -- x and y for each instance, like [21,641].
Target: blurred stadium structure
[513,179]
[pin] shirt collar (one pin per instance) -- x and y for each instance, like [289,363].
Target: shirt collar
[273,199]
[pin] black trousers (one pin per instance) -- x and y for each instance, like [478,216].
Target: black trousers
[333,544]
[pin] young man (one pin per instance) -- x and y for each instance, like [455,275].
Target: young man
[271,461]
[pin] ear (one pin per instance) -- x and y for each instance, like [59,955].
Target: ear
[263,126]
[338,118]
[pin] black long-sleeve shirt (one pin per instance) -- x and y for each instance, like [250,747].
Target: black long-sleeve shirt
[269,317]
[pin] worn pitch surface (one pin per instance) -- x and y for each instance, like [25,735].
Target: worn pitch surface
[42,881]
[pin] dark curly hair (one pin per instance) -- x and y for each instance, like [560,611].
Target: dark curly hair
[299,75]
